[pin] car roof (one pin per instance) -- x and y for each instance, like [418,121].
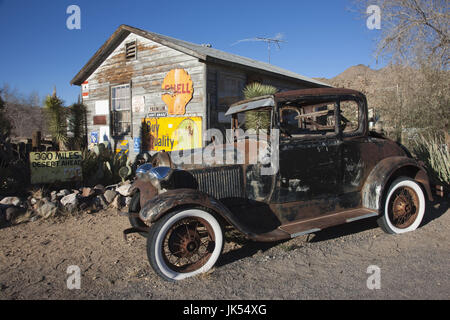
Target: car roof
[322,94]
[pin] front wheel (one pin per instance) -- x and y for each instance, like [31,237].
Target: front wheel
[404,207]
[184,243]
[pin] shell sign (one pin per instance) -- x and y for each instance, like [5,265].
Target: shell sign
[179,84]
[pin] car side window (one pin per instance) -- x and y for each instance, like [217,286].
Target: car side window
[315,120]
[349,116]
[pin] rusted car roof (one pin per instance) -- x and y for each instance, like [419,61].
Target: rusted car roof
[294,95]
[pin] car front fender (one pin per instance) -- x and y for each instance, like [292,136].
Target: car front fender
[168,201]
[382,174]
[146,189]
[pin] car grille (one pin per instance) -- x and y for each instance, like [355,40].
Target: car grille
[220,182]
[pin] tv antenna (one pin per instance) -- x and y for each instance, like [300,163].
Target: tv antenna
[270,41]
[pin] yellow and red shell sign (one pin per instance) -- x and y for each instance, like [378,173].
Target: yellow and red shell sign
[180,89]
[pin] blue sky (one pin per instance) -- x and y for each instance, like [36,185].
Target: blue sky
[324,37]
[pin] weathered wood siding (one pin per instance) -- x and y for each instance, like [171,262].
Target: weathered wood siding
[225,86]
[146,75]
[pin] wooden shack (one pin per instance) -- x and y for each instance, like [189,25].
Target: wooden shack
[140,88]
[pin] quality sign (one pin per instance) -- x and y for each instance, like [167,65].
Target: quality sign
[52,167]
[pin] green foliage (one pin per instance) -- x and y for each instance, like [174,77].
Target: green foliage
[56,119]
[257,89]
[258,120]
[103,166]
[433,151]
[77,126]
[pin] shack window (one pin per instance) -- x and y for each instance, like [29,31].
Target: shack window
[121,108]
[131,50]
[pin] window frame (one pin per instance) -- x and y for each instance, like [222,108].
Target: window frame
[113,111]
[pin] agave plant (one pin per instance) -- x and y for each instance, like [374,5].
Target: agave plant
[257,120]
[433,151]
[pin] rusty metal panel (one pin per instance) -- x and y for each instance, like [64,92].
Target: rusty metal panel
[100,120]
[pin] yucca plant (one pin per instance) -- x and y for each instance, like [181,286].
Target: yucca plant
[56,119]
[257,120]
[433,151]
[77,125]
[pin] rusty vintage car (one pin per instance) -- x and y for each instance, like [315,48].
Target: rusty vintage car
[330,170]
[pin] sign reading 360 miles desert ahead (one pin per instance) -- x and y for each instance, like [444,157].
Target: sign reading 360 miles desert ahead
[51,167]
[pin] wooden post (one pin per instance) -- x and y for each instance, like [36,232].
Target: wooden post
[36,141]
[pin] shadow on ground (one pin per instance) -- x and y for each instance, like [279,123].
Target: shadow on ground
[435,210]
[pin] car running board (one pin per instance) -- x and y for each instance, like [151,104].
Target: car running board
[300,228]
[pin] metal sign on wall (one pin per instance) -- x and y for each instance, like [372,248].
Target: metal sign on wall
[51,167]
[180,89]
[173,133]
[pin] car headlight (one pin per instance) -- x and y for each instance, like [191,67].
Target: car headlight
[155,175]
[143,170]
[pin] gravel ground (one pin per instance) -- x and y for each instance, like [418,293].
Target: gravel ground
[331,264]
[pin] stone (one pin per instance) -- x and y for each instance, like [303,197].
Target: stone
[117,203]
[124,190]
[84,206]
[71,208]
[127,201]
[70,199]
[11,201]
[47,210]
[33,201]
[87,192]
[53,196]
[100,202]
[99,189]
[110,195]
[11,213]
[63,193]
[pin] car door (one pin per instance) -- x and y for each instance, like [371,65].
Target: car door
[309,162]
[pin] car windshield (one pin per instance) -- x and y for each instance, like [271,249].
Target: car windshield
[254,121]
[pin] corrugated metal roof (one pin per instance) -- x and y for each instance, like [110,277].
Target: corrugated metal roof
[199,51]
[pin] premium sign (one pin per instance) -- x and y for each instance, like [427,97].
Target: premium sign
[51,167]
[173,133]
[179,85]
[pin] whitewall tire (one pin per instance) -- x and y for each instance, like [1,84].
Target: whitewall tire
[184,243]
[403,208]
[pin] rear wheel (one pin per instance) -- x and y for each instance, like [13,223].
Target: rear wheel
[184,243]
[404,207]
[135,207]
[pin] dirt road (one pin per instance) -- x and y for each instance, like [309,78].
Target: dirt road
[332,264]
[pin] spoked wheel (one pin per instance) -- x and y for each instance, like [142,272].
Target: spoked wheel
[404,207]
[184,243]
